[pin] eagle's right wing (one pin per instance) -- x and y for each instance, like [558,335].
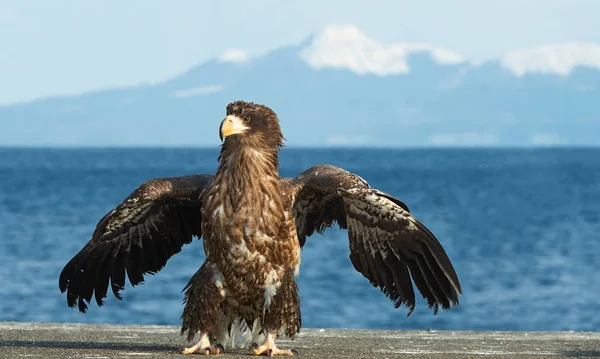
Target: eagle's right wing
[136,237]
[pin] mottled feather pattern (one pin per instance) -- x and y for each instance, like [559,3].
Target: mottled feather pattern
[316,211]
[203,302]
[283,315]
[387,244]
[129,212]
[135,238]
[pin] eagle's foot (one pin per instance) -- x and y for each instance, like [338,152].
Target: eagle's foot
[203,347]
[269,349]
[209,350]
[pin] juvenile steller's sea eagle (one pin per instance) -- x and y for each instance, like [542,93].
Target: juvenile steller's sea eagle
[254,224]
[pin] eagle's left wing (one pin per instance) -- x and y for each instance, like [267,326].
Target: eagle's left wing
[386,241]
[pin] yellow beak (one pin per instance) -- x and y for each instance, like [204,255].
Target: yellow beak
[231,125]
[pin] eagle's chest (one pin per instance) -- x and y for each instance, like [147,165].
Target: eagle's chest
[251,239]
[232,218]
[240,229]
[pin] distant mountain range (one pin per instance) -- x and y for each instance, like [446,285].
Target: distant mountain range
[340,88]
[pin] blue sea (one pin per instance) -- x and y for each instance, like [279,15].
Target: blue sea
[522,227]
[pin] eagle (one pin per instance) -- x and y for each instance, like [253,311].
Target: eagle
[254,225]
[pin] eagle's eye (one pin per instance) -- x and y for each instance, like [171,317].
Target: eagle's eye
[247,119]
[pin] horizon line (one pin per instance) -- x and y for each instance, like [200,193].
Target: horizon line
[300,147]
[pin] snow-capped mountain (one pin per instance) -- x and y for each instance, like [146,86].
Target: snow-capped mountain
[342,88]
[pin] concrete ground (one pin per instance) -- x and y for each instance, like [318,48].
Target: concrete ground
[51,340]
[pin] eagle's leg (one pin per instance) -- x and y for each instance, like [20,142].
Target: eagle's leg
[203,299]
[204,347]
[283,312]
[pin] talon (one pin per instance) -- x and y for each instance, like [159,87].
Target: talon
[218,349]
[190,350]
[294,351]
[255,348]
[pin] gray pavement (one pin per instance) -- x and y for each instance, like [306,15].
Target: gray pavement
[54,340]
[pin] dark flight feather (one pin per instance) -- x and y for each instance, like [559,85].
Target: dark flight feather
[136,238]
[388,246]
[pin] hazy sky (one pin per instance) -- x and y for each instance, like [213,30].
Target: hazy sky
[65,47]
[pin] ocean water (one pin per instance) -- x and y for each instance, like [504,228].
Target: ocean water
[522,228]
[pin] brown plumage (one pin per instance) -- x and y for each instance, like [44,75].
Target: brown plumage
[254,224]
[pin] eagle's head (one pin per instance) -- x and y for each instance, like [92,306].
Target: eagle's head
[251,124]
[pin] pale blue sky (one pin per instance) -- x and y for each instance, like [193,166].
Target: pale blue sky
[66,47]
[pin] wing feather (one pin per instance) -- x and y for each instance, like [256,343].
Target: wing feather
[406,293]
[388,245]
[135,238]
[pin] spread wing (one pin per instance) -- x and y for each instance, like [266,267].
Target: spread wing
[387,244]
[136,237]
